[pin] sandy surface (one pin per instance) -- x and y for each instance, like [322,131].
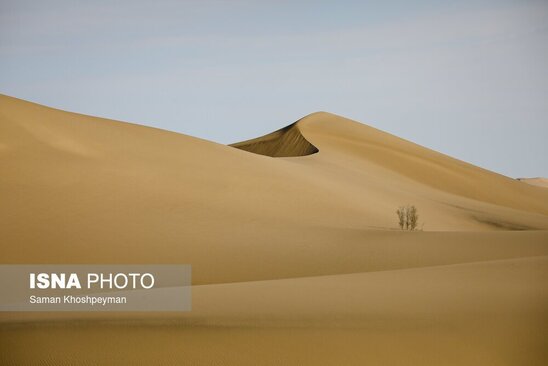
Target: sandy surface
[539,182]
[296,259]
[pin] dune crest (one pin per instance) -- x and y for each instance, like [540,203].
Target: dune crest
[285,142]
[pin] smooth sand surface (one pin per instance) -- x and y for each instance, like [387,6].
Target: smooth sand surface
[297,258]
[539,182]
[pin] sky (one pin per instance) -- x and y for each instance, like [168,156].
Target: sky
[466,78]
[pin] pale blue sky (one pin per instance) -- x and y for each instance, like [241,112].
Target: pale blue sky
[467,78]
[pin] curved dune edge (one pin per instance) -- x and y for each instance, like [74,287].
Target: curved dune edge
[285,142]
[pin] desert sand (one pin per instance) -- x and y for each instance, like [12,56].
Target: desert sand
[539,182]
[296,254]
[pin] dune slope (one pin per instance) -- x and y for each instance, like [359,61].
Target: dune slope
[539,182]
[286,142]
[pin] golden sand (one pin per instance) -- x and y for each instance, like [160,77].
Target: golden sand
[293,239]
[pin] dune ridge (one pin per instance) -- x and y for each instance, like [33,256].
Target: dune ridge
[285,142]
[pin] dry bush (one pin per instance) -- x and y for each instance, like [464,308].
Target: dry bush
[408,217]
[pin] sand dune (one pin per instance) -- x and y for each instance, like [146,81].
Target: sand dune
[539,182]
[293,239]
[478,313]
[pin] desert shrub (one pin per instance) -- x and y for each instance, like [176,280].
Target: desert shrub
[408,217]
